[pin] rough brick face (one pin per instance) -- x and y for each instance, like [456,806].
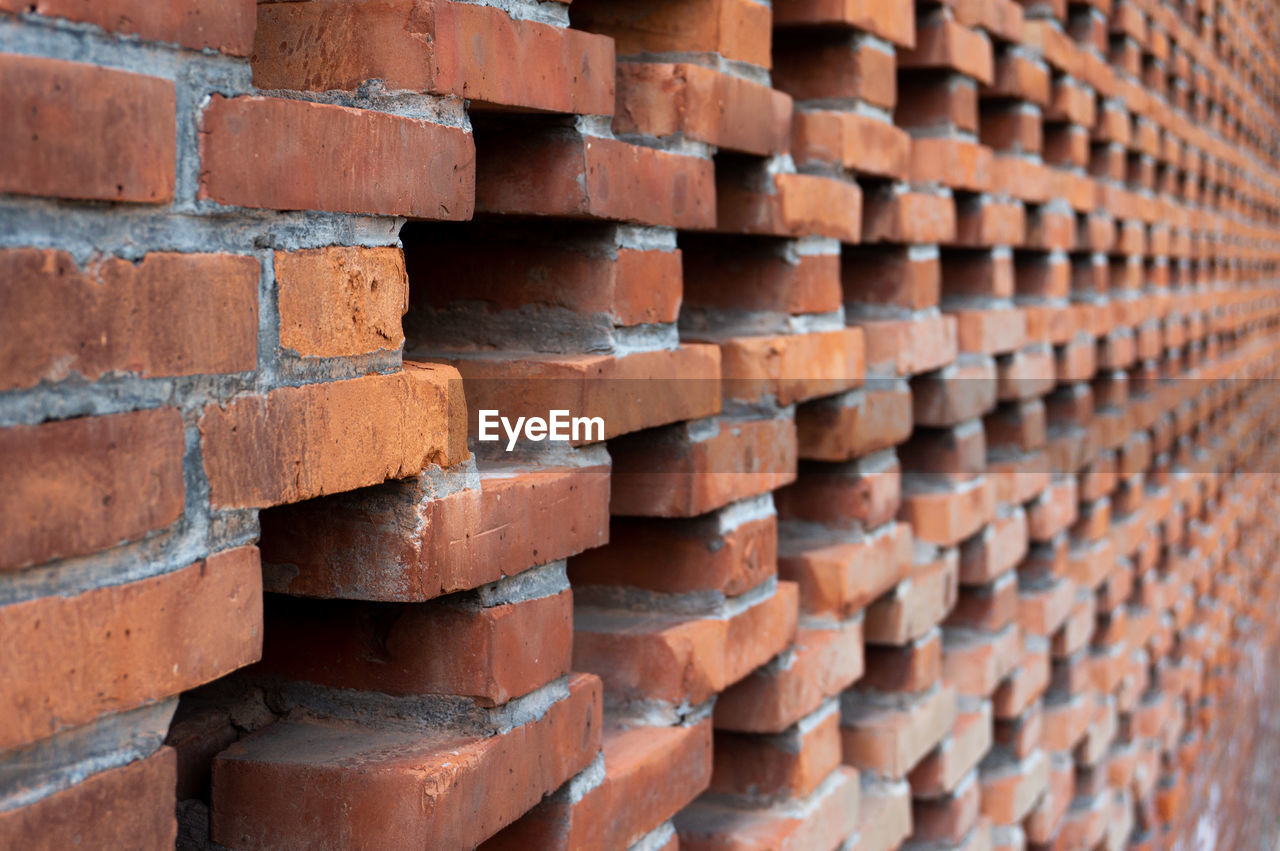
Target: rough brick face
[341,301]
[317,439]
[920,361]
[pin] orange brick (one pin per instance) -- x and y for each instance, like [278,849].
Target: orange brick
[320,438]
[340,301]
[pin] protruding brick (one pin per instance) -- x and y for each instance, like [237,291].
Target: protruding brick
[321,438]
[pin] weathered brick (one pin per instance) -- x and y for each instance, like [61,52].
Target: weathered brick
[493,653]
[129,806]
[341,301]
[313,782]
[73,130]
[115,648]
[337,158]
[295,443]
[71,487]
[363,545]
[170,314]
[437,46]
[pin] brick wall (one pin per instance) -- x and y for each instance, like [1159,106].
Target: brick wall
[932,347]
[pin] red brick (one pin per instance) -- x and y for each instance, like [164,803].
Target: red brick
[889,740]
[823,661]
[791,368]
[504,268]
[665,99]
[300,442]
[72,130]
[809,69]
[789,765]
[947,818]
[735,29]
[311,782]
[911,346]
[976,662]
[996,549]
[476,52]
[71,486]
[1011,789]
[986,607]
[576,176]
[129,806]
[943,43]
[938,101]
[911,667]
[822,820]
[957,163]
[949,764]
[680,658]
[354,546]
[862,495]
[841,578]
[889,20]
[116,648]
[734,273]
[916,604]
[676,473]
[896,214]
[650,774]
[946,517]
[493,654]
[222,25]
[337,158]
[629,392]
[681,556]
[891,276]
[961,391]
[854,424]
[341,301]
[788,205]
[170,314]
[885,819]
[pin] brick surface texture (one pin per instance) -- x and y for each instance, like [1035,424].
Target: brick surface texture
[923,486]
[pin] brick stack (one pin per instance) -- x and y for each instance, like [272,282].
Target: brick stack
[930,348]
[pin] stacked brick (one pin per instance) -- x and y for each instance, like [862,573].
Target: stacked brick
[920,493]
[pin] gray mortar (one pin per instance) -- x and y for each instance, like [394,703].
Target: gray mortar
[430,713]
[718,323]
[545,329]
[656,839]
[533,584]
[35,771]
[556,14]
